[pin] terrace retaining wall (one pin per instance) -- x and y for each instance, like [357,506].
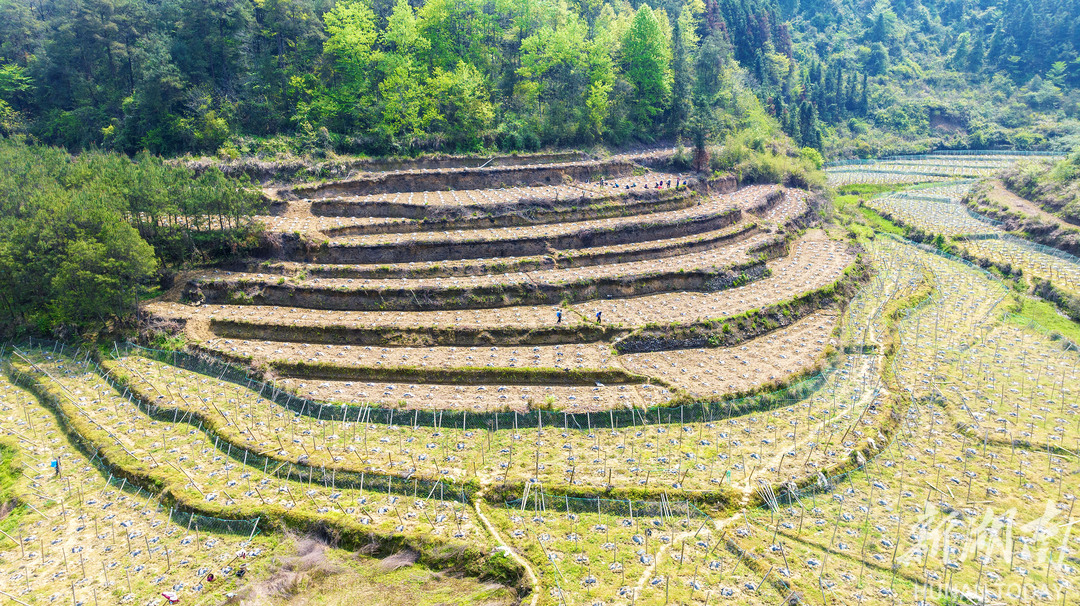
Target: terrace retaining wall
[524,213]
[479,297]
[562,259]
[459,336]
[732,330]
[465,178]
[449,250]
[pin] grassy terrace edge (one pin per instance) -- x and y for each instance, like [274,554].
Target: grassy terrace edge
[739,328]
[713,333]
[893,311]
[1067,303]
[524,293]
[465,375]
[731,330]
[751,323]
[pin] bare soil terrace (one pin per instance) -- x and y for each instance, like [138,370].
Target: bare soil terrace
[455,289]
[1001,195]
[597,255]
[814,262]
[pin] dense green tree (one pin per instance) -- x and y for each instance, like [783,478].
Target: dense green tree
[878,61]
[680,65]
[961,54]
[556,76]
[976,55]
[463,107]
[646,63]
[67,257]
[80,235]
[98,267]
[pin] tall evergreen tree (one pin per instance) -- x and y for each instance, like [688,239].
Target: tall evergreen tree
[680,90]
[646,59]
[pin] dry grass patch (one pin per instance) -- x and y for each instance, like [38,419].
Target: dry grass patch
[320,575]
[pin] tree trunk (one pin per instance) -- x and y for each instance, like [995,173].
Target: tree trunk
[701,159]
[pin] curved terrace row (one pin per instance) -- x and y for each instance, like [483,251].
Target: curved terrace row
[588,308]
[814,262]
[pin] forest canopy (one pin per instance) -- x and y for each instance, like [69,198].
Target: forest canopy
[364,76]
[247,77]
[81,235]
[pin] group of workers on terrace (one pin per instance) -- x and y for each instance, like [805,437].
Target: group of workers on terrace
[661,184]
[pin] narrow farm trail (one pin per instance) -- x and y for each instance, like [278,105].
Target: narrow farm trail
[718,525]
[534,581]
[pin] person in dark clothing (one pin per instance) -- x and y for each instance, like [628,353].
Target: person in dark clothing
[598,317]
[558,317]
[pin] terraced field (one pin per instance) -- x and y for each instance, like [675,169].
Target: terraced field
[523,296]
[87,534]
[927,168]
[938,209]
[757,416]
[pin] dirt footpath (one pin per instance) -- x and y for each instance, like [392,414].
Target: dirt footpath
[1001,195]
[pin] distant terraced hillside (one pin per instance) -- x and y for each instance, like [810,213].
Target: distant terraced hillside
[924,168]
